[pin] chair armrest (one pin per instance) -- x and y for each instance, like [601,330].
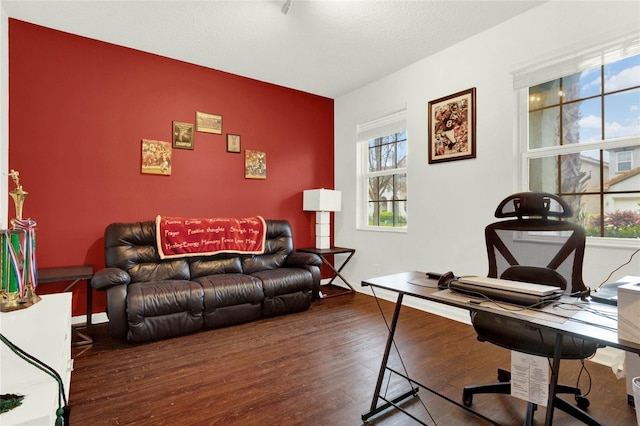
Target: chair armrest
[298,259]
[109,277]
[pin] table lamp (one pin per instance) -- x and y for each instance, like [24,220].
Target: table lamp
[322,201]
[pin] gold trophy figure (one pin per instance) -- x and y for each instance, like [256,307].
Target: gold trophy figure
[18,195]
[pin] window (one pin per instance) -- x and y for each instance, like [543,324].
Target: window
[383,173]
[583,140]
[624,161]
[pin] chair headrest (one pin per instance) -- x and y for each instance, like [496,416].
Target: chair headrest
[533,204]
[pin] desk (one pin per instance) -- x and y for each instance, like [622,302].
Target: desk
[585,325]
[74,274]
[336,272]
[42,330]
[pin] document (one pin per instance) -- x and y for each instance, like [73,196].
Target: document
[530,378]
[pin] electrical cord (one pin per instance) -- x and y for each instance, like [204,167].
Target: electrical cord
[617,269]
[63,411]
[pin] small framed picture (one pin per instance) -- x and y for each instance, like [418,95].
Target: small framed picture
[452,127]
[233,143]
[255,164]
[208,123]
[182,135]
[156,157]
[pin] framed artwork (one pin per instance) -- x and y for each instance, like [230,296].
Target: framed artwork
[182,135]
[233,143]
[156,157]
[208,123]
[255,164]
[452,127]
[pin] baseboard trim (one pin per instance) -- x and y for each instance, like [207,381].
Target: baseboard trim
[98,318]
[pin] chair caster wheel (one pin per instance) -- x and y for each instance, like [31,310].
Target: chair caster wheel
[467,398]
[504,376]
[583,402]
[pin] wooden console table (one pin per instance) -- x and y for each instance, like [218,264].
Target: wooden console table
[336,272]
[74,274]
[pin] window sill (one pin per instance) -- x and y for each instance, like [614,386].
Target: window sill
[383,229]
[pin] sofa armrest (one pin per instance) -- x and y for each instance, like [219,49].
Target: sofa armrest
[299,259]
[109,277]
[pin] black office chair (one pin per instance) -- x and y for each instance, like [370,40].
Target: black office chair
[534,245]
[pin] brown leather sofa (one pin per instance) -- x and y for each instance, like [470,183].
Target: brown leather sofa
[151,299]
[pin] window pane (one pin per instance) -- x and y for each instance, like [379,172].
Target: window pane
[589,215]
[374,189]
[401,151]
[374,157]
[400,187]
[385,190]
[386,213]
[400,208]
[543,174]
[582,121]
[543,127]
[590,167]
[372,213]
[574,178]
[622,114]
[545,94]
[581,85]
[622,74]
[388,159]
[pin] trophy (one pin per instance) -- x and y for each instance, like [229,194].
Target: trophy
[18,260]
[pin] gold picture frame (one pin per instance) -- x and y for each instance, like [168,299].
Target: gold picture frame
[233,143]
[255,164]
[208,123]
[182,135]
[452,127]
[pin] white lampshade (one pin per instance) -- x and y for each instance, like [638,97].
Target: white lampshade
[321,200]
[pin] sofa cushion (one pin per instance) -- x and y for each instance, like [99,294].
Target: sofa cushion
[201,267]
[160,309]
[284,280]
[231,299]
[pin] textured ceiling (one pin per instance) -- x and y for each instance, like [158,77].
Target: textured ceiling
[323,47]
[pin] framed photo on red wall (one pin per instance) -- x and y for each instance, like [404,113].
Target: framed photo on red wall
[233,143]
[452,127]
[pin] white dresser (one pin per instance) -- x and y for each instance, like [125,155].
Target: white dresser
[44,331]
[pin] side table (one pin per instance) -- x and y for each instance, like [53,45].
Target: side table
[336,272]
[74,274]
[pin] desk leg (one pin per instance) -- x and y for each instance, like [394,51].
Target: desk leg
[383,367]
[89,304]
[557,353]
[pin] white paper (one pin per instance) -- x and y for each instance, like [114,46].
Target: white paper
[530,378]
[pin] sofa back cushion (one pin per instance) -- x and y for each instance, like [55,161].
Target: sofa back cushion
[133,248]
[278,245]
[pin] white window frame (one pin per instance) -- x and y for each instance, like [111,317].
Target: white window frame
[385,125]
[567,63]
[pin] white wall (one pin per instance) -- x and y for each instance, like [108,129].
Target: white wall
[4,116]
[450,203]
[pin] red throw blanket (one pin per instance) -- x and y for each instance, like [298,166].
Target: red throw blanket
[179,237]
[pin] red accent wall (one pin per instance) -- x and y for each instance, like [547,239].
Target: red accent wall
[79,109]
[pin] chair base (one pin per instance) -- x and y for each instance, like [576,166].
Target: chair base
[504,387]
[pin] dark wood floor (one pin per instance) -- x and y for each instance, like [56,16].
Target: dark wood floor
[317,367]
